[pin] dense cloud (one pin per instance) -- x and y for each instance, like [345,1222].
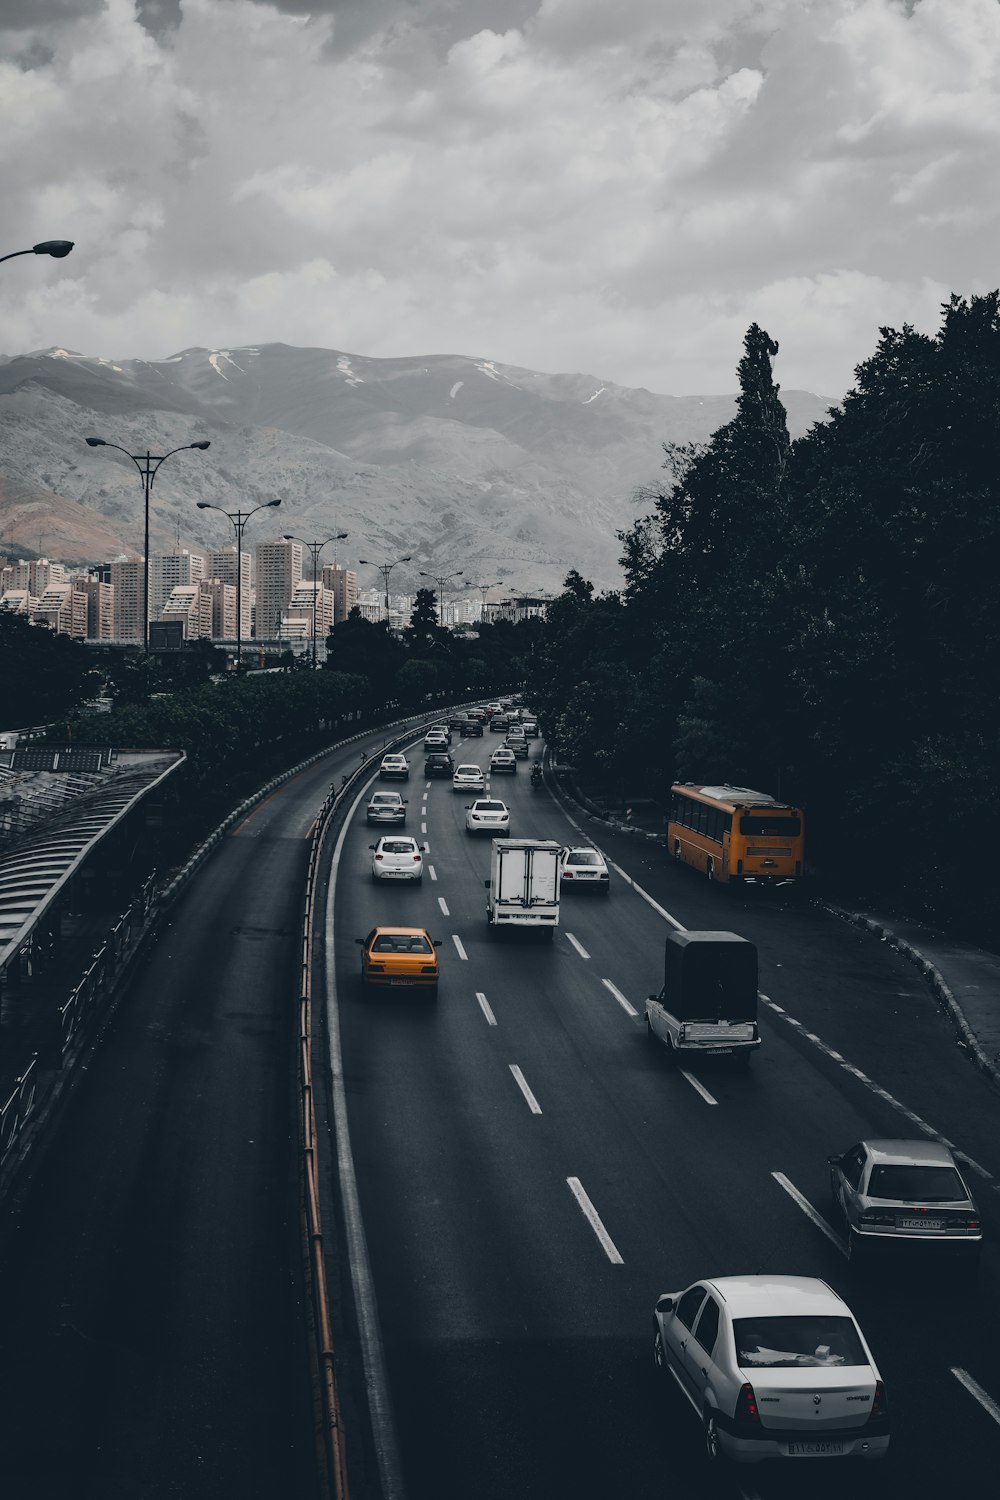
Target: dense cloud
[563,184]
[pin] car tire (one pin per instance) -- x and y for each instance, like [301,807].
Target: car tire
[374,878]
[650,1033]
[713,1449]
[856,1251]
[659,1353]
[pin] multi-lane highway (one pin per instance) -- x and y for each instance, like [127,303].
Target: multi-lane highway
[532,1172]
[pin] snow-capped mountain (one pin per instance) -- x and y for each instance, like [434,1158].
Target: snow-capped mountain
[460,462]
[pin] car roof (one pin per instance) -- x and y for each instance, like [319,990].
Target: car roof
[582,849]
[777,1296]
[910,1153]
[470,767]
[400,931]
[385,796]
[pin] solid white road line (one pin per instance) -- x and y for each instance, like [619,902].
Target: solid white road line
[975,1389]
[698,1087]
[444,906]
[519,1079]
[484,1006]
[647,897]
[594,1220]
[432,872]
[629,1009]
[578,946]
[458,944]
[809,1211]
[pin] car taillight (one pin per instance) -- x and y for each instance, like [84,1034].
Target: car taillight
[376,968]
[378,856]
[416,858]
[567,874]
[872,1218]
[428,968]
[746,1413]
[880,1406]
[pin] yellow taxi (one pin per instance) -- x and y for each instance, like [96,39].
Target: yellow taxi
[400,956]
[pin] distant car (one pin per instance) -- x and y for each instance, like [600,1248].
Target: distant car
[486,816]
[498,723]
[386,807]
[394,768]
[585,868]
[400,956]
[491,709]
[503,760]
[444,727]
[468,779]
[775,1367]
[472,729]
[439,763]
[904,1192]
[518,744]
[456,721]
[530,727]
[396,857]
[479,714]
[436,739]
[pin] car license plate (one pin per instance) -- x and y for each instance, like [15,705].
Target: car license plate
[399,981]
[829,1447]
[920,1223]
[720,1052]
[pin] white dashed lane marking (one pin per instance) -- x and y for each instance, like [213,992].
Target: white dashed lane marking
[975,1389]
[577,945]
[810,1212]
[519,1079]
[594,1220]
[484,1006]
[458,946]
[444,906]
[625,1005]
[432,872]
[698,1086]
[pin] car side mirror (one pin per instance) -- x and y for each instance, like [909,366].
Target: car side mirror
[437,942]
[487,884]
[360,942]
[371,846]
[664,1304]
[835,1161]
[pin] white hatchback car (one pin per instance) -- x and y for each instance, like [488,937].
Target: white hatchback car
[468,779]
[486,816]
[774,1367]
[396,857]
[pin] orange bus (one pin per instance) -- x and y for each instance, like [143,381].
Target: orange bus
[735,835]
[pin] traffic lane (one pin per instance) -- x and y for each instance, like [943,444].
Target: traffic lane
[525,984]
[153,1298]
[861,998]
[763,1116]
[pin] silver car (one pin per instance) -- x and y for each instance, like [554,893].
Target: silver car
[386,807]
[774,1367]
[885,1190]
[397,857]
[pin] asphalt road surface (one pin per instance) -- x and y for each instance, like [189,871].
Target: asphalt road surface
[532,1172]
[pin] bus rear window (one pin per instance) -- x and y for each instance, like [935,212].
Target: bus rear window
[769,825]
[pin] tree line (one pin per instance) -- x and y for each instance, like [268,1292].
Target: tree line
[819,619]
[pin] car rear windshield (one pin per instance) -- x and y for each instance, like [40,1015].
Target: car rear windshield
[584,857]
[797,1343]
[490,807]
[916,1184]
[401,942]
[386,799]
[398,846]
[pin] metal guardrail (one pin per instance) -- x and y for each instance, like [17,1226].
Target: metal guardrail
[16,1112]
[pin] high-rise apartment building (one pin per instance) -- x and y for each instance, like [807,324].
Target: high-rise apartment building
[169,570]
[279,571]
[343,585]
[127,581]
[223,565]
[63,608]
[192,605]
[223,597]
[300,607]
[100,607]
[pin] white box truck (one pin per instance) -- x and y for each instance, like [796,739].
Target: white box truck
[524,884]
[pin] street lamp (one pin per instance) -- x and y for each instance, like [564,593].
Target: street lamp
[441,579]
[484,589]
[239,518]
[56,248]
[385,569]
[148,465]
[315,548]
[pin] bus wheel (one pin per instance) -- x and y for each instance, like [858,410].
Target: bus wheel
[710,869]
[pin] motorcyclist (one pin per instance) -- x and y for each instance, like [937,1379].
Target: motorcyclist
[536,774]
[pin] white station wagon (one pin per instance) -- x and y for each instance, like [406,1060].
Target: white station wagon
[774,1367]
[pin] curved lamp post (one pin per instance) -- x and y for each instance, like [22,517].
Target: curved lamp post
[385,569]
[441,579]
[239,519]
[484,589]
[315,548]
[148,465]
[56,248]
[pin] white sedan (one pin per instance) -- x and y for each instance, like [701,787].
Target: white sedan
[394,768]
[585,866]
[397,858]
[503,760]
[774,1367]
[468,779]
[487,816]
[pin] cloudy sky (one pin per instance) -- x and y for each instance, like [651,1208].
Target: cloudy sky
[612,186]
